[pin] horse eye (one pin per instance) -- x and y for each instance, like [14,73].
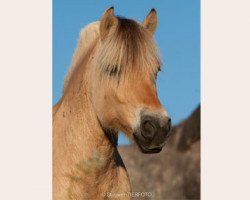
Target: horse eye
[112,70]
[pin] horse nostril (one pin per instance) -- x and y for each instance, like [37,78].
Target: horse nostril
[148,129]
[168,124]
[148,126]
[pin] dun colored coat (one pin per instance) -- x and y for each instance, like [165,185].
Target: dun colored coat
[110,87]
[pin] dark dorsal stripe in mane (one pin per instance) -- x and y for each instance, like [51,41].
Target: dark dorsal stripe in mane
[129,47]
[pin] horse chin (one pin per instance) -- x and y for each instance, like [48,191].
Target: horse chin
[143,146]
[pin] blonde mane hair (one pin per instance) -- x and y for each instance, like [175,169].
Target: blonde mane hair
[87,36]
[128,48]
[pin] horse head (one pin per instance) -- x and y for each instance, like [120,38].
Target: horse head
[123,81]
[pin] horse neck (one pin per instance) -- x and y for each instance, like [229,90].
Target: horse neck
[82,132]
[82,149]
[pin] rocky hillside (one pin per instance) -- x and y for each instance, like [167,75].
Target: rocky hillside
[174,173]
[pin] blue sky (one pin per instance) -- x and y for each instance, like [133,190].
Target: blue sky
[177,36]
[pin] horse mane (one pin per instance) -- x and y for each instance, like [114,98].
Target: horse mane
[87,36]
[129,48]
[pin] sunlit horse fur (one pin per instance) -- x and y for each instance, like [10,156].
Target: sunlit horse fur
[110,87]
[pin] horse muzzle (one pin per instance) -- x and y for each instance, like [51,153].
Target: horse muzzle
[152,133]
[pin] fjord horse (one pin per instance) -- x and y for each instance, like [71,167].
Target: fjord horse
[110,87]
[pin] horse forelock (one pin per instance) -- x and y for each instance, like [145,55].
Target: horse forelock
[128,48]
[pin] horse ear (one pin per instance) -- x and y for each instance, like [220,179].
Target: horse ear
[108,20]
[150,22]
